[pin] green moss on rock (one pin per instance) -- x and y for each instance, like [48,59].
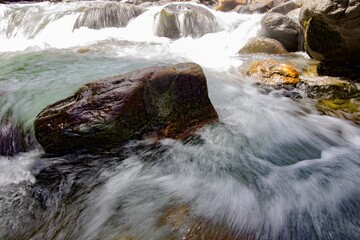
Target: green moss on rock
[348,109]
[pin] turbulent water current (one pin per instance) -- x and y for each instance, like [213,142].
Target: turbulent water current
[272,168]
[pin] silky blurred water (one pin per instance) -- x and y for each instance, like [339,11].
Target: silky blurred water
[272,168]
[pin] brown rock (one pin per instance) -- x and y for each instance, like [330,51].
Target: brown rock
[227,5]
[169,101]
[83,50]
[188,227]
[263,45]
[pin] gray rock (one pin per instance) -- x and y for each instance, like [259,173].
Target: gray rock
[252,8]
[183,20]
[281,28]
[294,15]
[285,8]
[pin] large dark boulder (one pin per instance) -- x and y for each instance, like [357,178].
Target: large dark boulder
[158,101]
[332,34]
[282,28]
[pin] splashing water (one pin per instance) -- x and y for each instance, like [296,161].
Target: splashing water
[272,168]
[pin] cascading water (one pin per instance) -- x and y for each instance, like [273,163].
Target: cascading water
[273,168]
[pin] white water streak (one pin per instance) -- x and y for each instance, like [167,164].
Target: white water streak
[17,169]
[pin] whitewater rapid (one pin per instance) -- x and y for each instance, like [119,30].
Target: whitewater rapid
[272,168]
[37,27]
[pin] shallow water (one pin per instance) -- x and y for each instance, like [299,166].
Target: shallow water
[272,168]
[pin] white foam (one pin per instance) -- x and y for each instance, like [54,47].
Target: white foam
[17,169]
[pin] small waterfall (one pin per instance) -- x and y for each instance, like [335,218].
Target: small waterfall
[109,14]
[183,20]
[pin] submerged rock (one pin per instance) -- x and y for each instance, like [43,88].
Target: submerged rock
[184,225]
[271,72]
[183,20]
[348,109]
[165,101]
[263,45]
[331,88]
[110,14]
[283,29]
[335,97]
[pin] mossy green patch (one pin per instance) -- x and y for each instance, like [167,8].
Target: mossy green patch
[348,109]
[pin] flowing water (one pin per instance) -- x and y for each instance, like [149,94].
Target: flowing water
[272,168]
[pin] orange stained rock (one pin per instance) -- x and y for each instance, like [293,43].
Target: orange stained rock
[272,72]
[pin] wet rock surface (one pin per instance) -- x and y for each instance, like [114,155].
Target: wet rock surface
[282,28]
[271,72]
[336,97]
[263,45]
[14,137]
[332,35]
[185,226]
[165,101]
[183,20]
